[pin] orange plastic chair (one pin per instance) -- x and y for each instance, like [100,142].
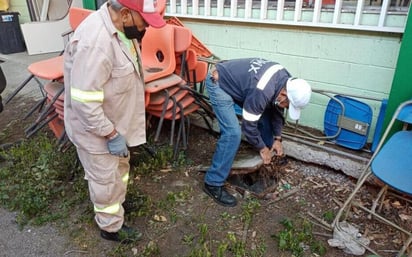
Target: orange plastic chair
[183,39]
[161,7]
[158,57]
[196,44]
[51,69]
[77,15]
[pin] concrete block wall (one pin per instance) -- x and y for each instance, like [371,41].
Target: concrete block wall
[21,7]
[344,61]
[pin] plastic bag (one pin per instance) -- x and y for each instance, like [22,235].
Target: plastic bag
[348,238]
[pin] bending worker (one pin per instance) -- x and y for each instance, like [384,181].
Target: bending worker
[263,89]
[104,109]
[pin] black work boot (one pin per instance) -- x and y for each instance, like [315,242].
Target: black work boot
[125,235]
[220,195]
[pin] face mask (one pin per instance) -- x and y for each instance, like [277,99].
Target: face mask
[132,32]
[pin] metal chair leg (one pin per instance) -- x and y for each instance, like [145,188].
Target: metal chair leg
[50,104]
[172,129]
[33,129]
[38,106]
[17,90]
[161,119]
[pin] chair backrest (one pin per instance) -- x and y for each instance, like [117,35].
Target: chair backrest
[77,15]
[392,162]
[196,44]
[161,7]
[200,71]
[405,114]
[158,54]
[183,38]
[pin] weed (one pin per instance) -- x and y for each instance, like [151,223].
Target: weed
[329,216]
[188,239]
[144,162]
[236,246]
[203,232]
[151,249]
[202,251]
[227,216]
[298,238]
[36,177]
[249,208]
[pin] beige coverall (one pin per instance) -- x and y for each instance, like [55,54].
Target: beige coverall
[103,90]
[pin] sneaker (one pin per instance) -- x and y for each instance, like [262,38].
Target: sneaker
[125,235]
[220,195]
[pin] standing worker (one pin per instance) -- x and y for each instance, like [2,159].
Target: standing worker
[104,110]
[263,89]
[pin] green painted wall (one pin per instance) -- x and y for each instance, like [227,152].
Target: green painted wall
[348,62]
[402,83]
[21,7]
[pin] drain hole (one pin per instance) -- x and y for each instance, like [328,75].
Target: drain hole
[258,182]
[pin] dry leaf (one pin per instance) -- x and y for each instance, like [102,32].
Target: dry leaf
[159,218]
[397,241]
[377,236]
[396,204]
[405,217]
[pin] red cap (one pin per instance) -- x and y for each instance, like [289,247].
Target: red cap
[147,9]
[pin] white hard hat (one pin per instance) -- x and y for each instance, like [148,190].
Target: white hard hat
[298,92]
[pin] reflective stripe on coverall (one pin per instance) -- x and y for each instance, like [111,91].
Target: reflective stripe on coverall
[107,176]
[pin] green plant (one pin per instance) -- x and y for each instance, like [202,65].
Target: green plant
[249,208]
[151,249]
[329,216]
[294,238]
[188,239]
[236,246]
[203,229]
[144,162]
[37,178]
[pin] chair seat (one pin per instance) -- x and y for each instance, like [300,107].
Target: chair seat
[54,88]
[188,107]
[49,69]
[155,106]
[158,98]
[399,163]
[162,83]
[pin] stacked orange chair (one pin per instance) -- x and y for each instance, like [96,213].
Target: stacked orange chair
[52,69]
[162,53]
[193,67]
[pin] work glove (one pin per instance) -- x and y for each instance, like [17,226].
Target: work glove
[117,146]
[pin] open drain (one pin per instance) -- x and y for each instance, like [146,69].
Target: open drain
[261,182]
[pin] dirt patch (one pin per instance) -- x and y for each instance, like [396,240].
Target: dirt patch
[185,222]
[12,119]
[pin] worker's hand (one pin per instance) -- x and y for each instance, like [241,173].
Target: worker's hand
[277,147]
[117,146]
[266,155]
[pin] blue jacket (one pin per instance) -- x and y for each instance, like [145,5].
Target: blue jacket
[254,84]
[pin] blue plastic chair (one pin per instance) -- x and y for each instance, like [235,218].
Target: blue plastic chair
[391,163]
